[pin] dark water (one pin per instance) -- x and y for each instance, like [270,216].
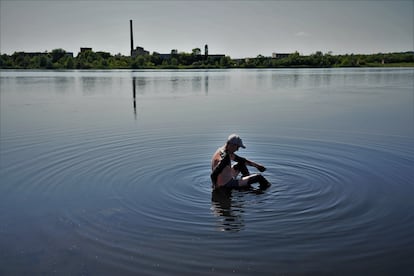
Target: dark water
[94,183]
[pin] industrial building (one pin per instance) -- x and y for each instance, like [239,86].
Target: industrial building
[140,51]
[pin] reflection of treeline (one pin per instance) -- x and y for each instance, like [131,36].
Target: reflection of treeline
[60,59]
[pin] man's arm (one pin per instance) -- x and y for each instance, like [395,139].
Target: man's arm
[243,160]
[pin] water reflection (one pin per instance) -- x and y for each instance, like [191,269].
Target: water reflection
[63,85]
[230,212]
[206,85]
[175,84]
[196,83]
[154,86]
[230,207]
[97,85]
[134,92]
[88,85]
[142,83]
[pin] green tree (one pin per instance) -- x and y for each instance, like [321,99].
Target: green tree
[57,54]
[196,52]
[69,64]
[293,59]
[5,61]
[174,62]
[43,61]
[138,62]
[225,62]
[156,59]
[316,59]
[348,61]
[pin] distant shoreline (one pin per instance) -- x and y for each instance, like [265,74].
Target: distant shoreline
[390,65]
[160,68]
[59,59]
[405,65]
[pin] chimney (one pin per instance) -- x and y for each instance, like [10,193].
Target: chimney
[132,37]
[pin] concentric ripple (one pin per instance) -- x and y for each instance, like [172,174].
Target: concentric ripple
[155,200]
[132,198]
[93,185]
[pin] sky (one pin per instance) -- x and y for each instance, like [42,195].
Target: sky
[235,28]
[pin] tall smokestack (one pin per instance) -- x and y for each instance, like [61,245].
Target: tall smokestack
[132,37]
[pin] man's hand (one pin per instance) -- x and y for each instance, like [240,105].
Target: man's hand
[261,168]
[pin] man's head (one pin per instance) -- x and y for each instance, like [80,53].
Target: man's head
[235,140]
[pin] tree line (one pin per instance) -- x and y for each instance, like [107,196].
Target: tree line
[320,60]
[60,59]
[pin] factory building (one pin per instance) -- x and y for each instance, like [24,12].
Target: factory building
[140,51]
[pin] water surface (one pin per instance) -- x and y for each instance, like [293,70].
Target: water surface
[95,182]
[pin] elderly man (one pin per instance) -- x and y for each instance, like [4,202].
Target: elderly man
[224,174]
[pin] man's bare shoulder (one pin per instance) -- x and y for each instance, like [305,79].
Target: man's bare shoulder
[217,156]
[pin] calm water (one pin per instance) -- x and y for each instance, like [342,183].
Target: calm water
[94,183]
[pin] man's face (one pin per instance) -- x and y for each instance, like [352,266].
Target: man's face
[233,148]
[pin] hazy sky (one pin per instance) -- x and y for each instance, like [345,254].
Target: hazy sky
[235,28]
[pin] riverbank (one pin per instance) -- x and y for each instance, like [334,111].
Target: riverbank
[60,59]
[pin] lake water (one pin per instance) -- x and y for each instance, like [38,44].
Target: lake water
[95,183]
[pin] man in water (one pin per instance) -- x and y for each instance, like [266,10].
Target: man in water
[224,174]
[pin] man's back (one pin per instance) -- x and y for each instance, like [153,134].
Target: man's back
[226,174]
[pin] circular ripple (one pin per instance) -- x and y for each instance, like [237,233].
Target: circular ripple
[325,195]
[143,200]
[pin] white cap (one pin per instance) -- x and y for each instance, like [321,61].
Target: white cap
[235,140]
